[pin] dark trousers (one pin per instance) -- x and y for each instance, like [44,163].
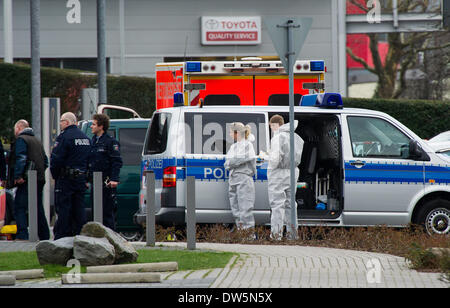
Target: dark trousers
[21,213]
[69,206]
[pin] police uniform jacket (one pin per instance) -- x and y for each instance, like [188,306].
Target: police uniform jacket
[71,150]
[105,157]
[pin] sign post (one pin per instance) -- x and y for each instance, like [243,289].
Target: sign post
[288,35]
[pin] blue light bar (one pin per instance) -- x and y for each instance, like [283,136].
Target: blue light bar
[178,99]
[193,67]
[308,100]
[323,100]
[317,66]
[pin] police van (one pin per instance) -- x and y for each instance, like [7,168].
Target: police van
[359,167]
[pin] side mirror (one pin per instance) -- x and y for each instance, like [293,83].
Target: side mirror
[416,152]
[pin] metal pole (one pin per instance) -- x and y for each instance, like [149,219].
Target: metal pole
[342,41]
[394,12]
[150,219]
[190,212]
[101,52]
[32,206]
[122,36]
[98,197]
[35,67]
[8,30]
[293,183]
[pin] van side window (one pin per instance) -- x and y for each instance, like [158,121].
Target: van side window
[374,137]
[208,133]
[158,133]
[131,141]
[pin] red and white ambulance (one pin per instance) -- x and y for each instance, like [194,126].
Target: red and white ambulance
[250,81]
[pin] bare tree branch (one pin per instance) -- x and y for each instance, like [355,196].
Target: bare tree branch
[360,61]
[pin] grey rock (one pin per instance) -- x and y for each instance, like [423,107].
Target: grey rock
[92,251]
[125,252]
[55,252]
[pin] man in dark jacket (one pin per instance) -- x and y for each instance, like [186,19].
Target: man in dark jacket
[69,166]
[105,157]
[28,154]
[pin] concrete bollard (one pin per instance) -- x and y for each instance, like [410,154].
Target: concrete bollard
[134,268]
[190,212]
[98,197]
[32,206]
[150,219]
[7,280]
[112,278]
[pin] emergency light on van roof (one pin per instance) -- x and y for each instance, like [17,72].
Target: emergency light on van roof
[178,100]
[323,100]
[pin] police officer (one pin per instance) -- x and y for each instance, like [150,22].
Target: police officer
[105,157]
[69,167]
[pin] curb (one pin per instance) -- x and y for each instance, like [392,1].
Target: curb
[134,268]
[110,278]
[25,274]
[224,272]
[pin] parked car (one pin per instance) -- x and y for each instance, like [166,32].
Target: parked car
[367,167]
[131,134]
[441,148]
[445,136]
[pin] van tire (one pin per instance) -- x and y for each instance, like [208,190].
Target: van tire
[435,216]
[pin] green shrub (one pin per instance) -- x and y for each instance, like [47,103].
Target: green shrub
[15,92]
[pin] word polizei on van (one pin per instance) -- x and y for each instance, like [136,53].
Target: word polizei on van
[359,167]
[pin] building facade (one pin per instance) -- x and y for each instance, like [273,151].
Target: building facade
[140,33]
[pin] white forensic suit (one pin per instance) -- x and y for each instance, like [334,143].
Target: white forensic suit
[278,175]
[241,163]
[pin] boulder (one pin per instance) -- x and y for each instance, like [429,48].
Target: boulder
[125,252]
[55,252]
[92,251]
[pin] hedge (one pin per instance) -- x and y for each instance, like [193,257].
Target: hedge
[425,118]
[15,92]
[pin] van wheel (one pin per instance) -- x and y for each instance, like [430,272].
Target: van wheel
[435,216]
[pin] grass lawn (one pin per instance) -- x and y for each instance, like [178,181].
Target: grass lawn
[187,260]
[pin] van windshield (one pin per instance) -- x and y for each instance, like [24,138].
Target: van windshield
[208,133]
[156,141]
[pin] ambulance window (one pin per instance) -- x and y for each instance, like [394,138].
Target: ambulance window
[208,133]
[374,137]
[131,141]
[220,100]
[283,99]
[157,136]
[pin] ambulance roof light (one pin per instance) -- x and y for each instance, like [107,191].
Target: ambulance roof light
[193,67]
[323,100]
[317,66]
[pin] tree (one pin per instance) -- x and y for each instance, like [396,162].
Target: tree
[404,49]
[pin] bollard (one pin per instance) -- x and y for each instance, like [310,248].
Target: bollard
[150,219]
[98,197]
[190,212]
[32,206]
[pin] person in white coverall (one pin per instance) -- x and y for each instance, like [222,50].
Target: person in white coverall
[278,175]
[241,163]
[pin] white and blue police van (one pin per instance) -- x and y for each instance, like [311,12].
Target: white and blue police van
[359,167]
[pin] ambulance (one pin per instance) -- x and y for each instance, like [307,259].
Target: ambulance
[248,82]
